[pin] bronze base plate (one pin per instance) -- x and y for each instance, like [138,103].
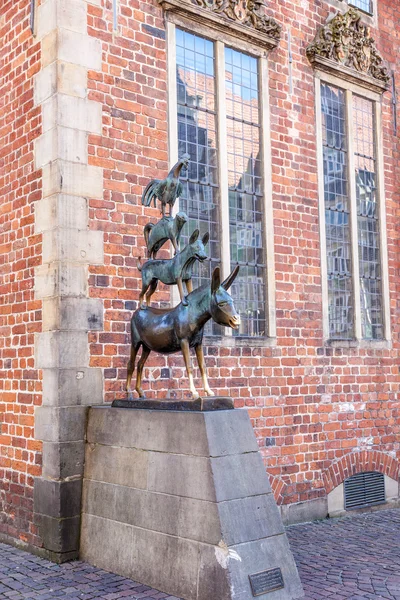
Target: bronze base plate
[201,404]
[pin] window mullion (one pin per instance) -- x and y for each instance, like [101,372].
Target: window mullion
[322,223]
[172,100]
[222,158]
[353,216]
[172,122]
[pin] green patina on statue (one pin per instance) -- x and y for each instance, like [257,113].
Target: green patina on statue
[169,330]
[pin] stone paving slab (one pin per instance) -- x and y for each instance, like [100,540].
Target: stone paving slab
[354,558]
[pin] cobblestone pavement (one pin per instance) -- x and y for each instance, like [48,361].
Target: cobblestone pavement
[357,557]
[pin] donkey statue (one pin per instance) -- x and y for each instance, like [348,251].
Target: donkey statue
[181,328]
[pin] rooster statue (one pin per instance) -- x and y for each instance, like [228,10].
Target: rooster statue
[166,190]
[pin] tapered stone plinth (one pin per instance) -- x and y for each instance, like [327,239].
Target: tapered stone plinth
[180,501]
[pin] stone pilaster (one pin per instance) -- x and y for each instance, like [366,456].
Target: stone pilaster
[61,281]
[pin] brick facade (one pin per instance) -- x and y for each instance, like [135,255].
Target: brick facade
[20,253]
[318,410]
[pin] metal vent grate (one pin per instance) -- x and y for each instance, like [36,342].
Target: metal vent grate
[364,489]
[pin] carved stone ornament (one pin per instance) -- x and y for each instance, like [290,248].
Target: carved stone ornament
[245,12]
[241,18]
[345,44]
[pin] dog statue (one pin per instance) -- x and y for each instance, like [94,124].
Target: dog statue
[168,228]
[173,271]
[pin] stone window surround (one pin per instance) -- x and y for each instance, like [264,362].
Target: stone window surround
[353,88]
[221,39]
[368,19]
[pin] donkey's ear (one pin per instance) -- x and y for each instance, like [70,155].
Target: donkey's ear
[230,279]
[216,280]
[194,236]
[205,239]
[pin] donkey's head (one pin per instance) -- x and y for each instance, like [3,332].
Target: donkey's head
[196,246]
[223,311]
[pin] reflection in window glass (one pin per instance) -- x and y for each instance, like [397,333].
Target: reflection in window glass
[367,219]
[365,5]
[337,213]
[195,73]
[245,190]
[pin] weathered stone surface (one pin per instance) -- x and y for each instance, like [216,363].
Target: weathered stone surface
[123,466]
[249,519]
[60,279]
[209,518]
[214,578]
[301,512]
[60,499]
[59,535]
[64,459]
[184,517]
[238,433]
[63,143]
[64,349]
[60,210]
[84,314]
[69,387]
[60,424]
[72,178]
[154,430]
[73,245]
[261,555]
[239,476]
[116,553]
[179,559]
[188,476]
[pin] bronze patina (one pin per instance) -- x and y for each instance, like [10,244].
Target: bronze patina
[173,271]
[168,228]
[166,190]
[169,330]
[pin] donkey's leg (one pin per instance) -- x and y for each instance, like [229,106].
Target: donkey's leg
[203,371]
[151,290]
[188,363]
[131,366]
[145,354]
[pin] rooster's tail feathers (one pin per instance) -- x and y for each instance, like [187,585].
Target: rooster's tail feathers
[149,192]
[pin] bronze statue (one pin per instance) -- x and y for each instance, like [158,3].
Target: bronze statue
[177,329]
[168,228]
[167,190]
[168,330]
[173,271]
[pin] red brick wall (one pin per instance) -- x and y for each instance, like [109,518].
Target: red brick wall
[20,252]
[310,404]
[313,407]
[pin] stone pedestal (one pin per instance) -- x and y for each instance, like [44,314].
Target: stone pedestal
[180,501]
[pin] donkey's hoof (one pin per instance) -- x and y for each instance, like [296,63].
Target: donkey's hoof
[143,306]
[184,301]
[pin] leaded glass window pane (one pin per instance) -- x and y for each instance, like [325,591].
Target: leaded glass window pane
[367,219]
[195,78]
[245,190]
[337,213]
[365,5]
